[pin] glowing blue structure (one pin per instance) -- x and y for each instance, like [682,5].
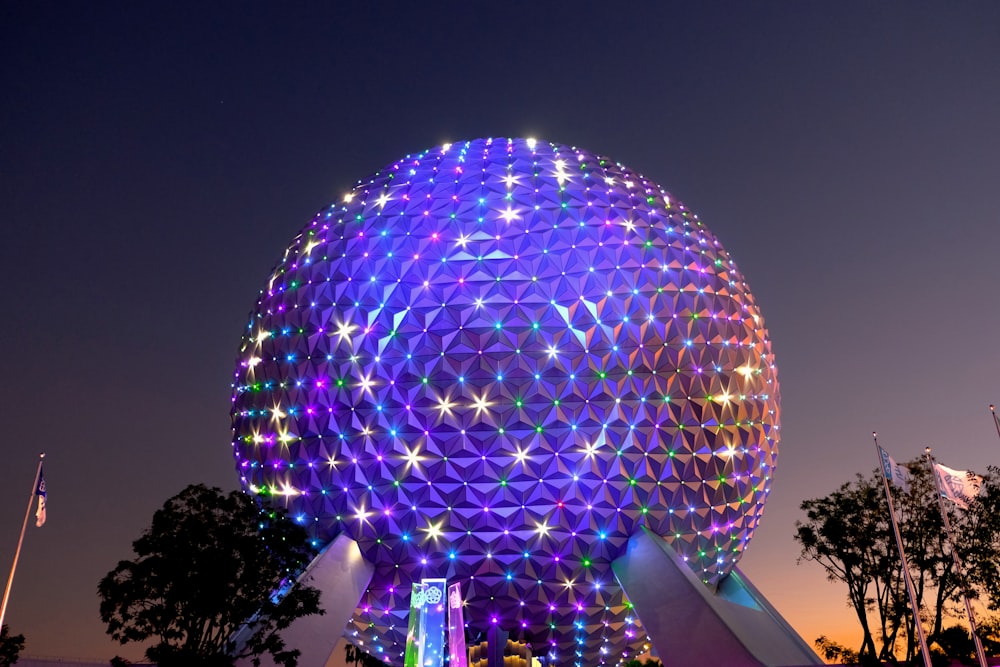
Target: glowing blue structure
[493,362]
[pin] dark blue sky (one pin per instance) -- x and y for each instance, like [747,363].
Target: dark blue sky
[155,161]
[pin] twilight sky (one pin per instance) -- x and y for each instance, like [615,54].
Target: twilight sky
[155,162]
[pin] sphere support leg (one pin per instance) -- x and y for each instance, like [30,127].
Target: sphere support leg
[341,575]
[496,645]
[691,623]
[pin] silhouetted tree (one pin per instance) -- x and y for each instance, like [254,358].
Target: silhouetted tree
[354,655]
[831,650]
[982,539]
[848,533]
[648,662]
[10,646]
[956,642]
[213,580]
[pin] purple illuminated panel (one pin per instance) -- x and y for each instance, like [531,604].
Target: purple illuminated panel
[458,654]
[491,362]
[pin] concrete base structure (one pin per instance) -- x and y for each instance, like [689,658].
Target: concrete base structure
[689,623]
[341,575]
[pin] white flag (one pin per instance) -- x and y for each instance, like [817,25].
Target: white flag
[894,473]
[958,486]
[40,492]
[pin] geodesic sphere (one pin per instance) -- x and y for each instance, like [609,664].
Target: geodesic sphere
[493,362]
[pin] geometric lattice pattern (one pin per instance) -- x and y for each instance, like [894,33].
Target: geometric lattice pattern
[492,362]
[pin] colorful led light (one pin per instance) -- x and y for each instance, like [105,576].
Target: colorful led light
[492,362]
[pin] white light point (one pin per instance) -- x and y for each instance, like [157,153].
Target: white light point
[445,405]
[366,384]
[480,404]
[413,457]
[508,215]
[307,251]
[344,330]
[276,413]
[561,175]
[433,530]
[287,490]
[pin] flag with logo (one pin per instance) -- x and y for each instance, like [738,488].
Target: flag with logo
[40,492]
[894,473]
[958,486]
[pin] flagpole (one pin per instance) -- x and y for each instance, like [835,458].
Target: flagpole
[980,654]
[918,626]
[996,420]
[20,540]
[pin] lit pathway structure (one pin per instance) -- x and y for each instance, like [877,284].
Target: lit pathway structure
[495,362]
